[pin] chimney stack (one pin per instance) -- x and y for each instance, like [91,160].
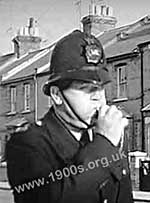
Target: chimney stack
[100,19]
[27,39]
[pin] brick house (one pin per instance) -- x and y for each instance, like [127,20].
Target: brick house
[128,56]
[127,50]
[130,71]
[22,76]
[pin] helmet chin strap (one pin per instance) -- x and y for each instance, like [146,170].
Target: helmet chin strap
[77,116]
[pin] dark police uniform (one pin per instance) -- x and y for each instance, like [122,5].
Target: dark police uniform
[46,163]
[42,150]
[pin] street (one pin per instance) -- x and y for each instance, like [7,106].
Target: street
[6,196]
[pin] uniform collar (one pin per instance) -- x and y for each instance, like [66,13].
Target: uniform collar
[66,146]
[63,142]
[77,135]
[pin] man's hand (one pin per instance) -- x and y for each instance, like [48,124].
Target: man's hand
[111,123]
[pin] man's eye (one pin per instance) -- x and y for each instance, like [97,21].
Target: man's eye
[90,89]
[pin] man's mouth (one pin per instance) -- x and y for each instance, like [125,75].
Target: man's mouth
[94,117]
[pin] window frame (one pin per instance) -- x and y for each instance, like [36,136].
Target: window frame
[121,81]
[27,97]
[13,99]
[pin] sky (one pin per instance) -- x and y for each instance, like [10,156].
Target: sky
[58,17]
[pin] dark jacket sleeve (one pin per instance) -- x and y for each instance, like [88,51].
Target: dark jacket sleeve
[26,168]
[98,172]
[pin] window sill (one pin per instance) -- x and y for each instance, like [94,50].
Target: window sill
[26,111]
[11,113]
[120,99]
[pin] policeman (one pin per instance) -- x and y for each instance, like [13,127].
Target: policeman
[74,155]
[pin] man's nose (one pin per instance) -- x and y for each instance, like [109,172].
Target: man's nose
[99,96]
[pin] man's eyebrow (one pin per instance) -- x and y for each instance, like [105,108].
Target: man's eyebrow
[83,85]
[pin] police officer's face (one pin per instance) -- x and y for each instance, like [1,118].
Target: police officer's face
[85,98]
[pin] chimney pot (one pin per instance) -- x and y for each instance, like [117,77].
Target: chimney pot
[99,20]
[31,22]
[27,39]
[26,31]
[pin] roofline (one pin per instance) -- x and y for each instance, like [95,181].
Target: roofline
[25,64]
[122,56]
[29,77]
[141,45]
[17,80]
[133,22]
[109,60]
[124,27]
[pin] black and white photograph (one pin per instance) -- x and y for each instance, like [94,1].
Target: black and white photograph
[74,101]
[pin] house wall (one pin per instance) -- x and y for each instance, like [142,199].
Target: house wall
[2,122]
[6,116]
[43,100]
[132,104]
[146,76]
[20,100]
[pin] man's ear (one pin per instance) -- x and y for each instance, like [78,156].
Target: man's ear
[55,95]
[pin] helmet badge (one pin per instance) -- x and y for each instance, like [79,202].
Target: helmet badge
[93,53]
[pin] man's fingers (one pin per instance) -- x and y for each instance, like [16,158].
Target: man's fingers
[114,113]
[111,123]
[124,122]
[103,110]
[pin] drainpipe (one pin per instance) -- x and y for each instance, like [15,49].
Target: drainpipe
[35,96]
[142,99]
[141,51]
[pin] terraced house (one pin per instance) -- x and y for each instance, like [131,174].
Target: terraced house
[127,50]
[22,75]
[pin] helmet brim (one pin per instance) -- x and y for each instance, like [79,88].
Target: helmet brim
[91,74]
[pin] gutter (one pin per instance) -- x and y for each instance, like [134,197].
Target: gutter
[122,56]
[21,79]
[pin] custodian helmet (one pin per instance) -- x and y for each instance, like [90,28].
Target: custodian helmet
[77,56]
